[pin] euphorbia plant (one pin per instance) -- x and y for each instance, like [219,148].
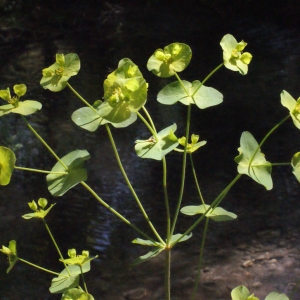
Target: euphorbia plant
[124,100]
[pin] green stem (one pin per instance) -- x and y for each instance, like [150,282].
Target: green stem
[130,186]
[149,117]
[281,164]
[55,244]
[80,97]
[265,138]
[39,171]
[38,267]
[152,129]
[197,281]
[115,212]
[168,274]
[149,126]
[215,203]
[196,180]
[43,142]
[183,171]
[208,76]
[84,284]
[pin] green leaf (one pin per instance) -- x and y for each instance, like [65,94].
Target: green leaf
[260,169]
[218,214]
[55,77]
[125,92]
[276,296]
[148,256]
[76,294]
[90,120]
[7,164]
[145,242]
[65,281]
[176,236]
[24,108]
[11,252]
[293,106]
[157,149]
[296,165]
[173,58]
[60,183]
[203,98]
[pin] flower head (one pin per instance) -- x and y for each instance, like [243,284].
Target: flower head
[293,106]
[193,146]
[56,76]
[14,105]
[173,58]
[234,57]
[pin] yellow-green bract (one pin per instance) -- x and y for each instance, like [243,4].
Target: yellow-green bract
[173,58]
[125,92]
[233,56]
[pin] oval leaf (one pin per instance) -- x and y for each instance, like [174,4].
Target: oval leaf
[7,164]
[157,149]
[24,108]
[63,180]
[258,168]
[148,256]
[218,214]
[276,296]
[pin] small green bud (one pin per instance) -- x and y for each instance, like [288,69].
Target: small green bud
[85,253]
[47,72]
[42,202]
[181,141]
[60,59]
[33,205]
[160,55]
[20,89]
[6,250]
[194,138]
[241,46]
[72,252]
[246,58]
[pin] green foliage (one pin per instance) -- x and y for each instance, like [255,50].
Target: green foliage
[61,180]
[125,96]
[7,164]
[251,161]
[90,119]
[173,58]
[217,214]
[68,278]
[160,145]
[55,77]
[190,93]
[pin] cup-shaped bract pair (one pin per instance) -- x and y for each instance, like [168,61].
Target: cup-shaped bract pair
[170,60]
[16,106]
[11,252]
[233,56]
[125,92]
[38,209]
[56,76]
